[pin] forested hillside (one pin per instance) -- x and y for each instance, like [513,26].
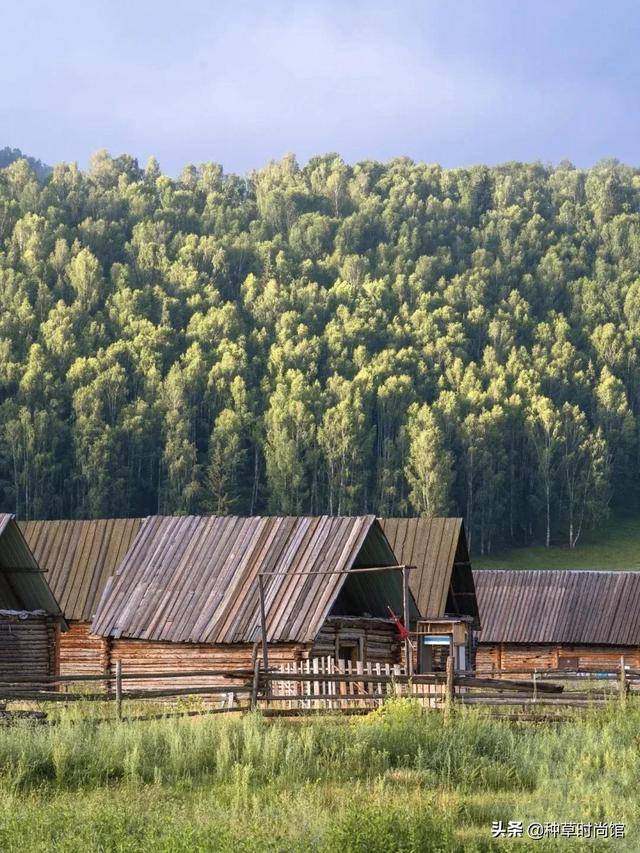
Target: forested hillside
[10,155]
[391,338]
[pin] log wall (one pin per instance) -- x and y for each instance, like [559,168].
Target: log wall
[377,639]
[81,654]
[28,646]
[84,654]
[497,656]
[139,656]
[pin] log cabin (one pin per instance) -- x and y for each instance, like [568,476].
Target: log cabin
[30,618]
[186,595]
[442,585]
[557,619]
[79,557]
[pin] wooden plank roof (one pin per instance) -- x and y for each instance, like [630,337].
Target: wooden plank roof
[575,607]
[23,585]
[79,557]
[436,547]
[194,578]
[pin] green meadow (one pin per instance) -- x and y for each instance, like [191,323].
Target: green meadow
[614,545]
[400,779]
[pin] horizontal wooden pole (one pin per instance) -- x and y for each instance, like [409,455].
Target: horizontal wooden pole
[170,715]
[44,696]
[130,676]
[336,699]
[560,701]
[365,677]
[527,717]
[503,684]
[51,696]
[187,691]
[313,712]
[194,673]
[551,673]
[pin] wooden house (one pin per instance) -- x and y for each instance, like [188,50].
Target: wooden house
[186,595]
[79,557]
[30,619]
[442,585]
[557,619]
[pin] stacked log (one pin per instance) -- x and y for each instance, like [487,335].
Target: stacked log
[377,638]
[27,644]
[491,657]
[144,656]
[80,653]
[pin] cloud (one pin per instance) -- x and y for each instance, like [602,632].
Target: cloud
[242,83]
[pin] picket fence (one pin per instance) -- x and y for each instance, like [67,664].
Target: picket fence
[328,694]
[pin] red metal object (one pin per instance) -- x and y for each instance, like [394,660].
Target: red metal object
[402,630]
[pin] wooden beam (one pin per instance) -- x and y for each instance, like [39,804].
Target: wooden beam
[338,571]
[408,651]
[263,628]
[119,689]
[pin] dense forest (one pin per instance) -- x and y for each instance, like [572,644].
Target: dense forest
[393,338]
[10,155]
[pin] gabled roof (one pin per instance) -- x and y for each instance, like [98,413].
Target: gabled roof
[194,579]
[22,584]
[442,582]
[79,557]
[558,606]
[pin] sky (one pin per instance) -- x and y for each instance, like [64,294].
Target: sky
[240,83]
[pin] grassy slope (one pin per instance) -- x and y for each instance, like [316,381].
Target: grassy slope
[616,545]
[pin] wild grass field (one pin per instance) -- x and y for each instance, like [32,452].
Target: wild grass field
[400,779]
[613,545]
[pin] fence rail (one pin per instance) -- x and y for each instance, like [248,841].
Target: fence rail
[322,683]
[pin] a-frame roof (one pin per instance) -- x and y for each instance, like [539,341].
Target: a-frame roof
[23,586]
[195,578]
[442,581]
[79,557]
[571,606]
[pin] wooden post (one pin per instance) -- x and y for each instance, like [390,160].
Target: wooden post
[263,629]
[119,689]
[535,685]
[405,617]
[450,694]
[623,680]
[256,681]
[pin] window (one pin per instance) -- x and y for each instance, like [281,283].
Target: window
[434,651]
[347,653]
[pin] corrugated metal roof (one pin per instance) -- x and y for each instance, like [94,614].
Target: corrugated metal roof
[559,606]
[22,584]
[194,579]
[442,580]
[79,557]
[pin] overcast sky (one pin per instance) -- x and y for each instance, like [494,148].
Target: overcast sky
[240,83]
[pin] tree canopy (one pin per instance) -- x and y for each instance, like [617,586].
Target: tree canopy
[10,155]
[393,337]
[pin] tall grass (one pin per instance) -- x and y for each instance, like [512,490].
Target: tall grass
[400,779]
[77,753]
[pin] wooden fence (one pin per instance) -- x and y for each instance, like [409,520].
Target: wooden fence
[323,684]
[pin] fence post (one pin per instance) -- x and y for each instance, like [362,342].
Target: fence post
[535,684]
[119,689]
[450,692]
[623,680]
[254,687]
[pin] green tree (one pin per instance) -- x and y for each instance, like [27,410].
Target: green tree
[429,469]
[544,425]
